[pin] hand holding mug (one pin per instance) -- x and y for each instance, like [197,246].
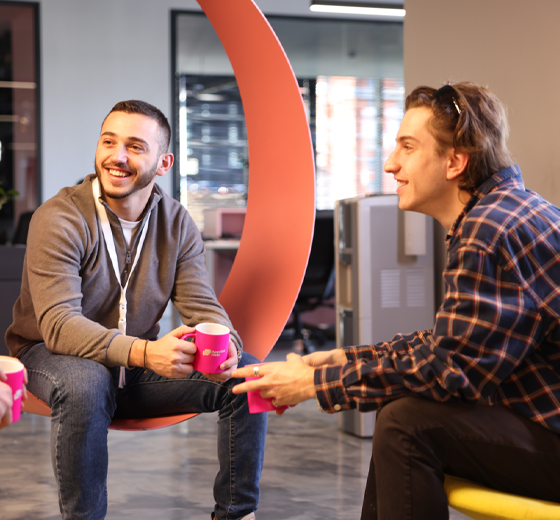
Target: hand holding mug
[205,348]
[287,383]
[258,403]
[227,367]
[12,389]
[6,402]
[169,356]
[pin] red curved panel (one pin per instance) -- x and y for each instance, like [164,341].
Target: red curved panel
[268,270]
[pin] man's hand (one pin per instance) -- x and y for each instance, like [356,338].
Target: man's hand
[169,356]
[288,383]
[228,366]
[5,402]
[329,357]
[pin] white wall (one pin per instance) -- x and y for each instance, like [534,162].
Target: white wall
[509,46]
[96,53]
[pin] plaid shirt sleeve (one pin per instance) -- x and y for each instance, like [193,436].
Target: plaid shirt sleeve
[485,327]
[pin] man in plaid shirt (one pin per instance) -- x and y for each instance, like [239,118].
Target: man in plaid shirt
[478,396]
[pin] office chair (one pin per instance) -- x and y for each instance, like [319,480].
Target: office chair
[482,503]
[318,283]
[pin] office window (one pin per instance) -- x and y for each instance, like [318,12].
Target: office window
[19,111]
[212,139]
[356,123]
[351,80]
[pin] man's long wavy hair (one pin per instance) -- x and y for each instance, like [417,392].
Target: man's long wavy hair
[481,130]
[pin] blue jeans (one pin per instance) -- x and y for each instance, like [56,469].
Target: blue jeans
[84,397]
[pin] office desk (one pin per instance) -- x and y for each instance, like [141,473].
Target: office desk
[219,256]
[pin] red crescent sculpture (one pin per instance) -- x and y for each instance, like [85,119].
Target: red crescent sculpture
[266,276]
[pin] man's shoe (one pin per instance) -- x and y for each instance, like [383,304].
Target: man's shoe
[250,516]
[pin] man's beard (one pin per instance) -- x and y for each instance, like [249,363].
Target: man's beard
[141,180]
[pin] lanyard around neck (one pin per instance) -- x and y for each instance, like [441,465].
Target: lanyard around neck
[109,241]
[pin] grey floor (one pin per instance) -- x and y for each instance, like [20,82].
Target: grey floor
[313,471]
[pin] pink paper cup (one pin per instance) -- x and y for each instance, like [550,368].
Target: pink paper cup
[13,369]
[257,403]
[212,345]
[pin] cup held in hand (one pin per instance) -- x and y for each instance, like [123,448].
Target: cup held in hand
[212,345]
[13,369]
[257,403]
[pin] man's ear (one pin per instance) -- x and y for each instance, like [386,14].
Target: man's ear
[456,164]
[166,161]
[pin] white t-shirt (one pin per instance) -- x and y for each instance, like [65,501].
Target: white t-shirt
[128,228]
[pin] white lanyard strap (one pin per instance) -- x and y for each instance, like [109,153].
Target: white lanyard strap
[109,241]
[108,236]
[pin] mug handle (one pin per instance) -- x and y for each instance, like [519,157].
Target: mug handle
[188,337]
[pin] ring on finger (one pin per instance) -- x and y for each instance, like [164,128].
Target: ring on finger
[256,371]
[274,403]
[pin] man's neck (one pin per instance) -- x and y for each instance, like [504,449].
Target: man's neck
[452,210]
[129,208]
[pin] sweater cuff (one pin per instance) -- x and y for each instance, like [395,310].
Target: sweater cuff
[119,350]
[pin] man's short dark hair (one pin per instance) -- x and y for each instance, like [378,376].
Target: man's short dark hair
[481,130]
[135,106]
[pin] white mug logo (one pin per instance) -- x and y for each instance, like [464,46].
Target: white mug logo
[215,353]
[17,394]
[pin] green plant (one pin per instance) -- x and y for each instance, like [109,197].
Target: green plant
[6,196]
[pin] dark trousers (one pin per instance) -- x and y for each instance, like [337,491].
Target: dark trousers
[417,441]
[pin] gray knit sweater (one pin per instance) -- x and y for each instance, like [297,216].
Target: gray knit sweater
[69,294]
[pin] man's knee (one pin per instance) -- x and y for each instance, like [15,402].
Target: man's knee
[392,419]
[399,412]
[398,420]
[87,386]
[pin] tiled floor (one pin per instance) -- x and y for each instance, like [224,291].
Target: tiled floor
[312,471]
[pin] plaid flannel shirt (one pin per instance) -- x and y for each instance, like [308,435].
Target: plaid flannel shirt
[496,339]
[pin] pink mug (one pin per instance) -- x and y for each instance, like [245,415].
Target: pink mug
[212,345]
[257,403]
[13,368]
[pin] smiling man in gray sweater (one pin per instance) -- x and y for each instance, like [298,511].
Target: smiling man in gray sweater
[103,260]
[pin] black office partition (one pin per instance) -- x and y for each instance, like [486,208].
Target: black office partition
[11,265]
